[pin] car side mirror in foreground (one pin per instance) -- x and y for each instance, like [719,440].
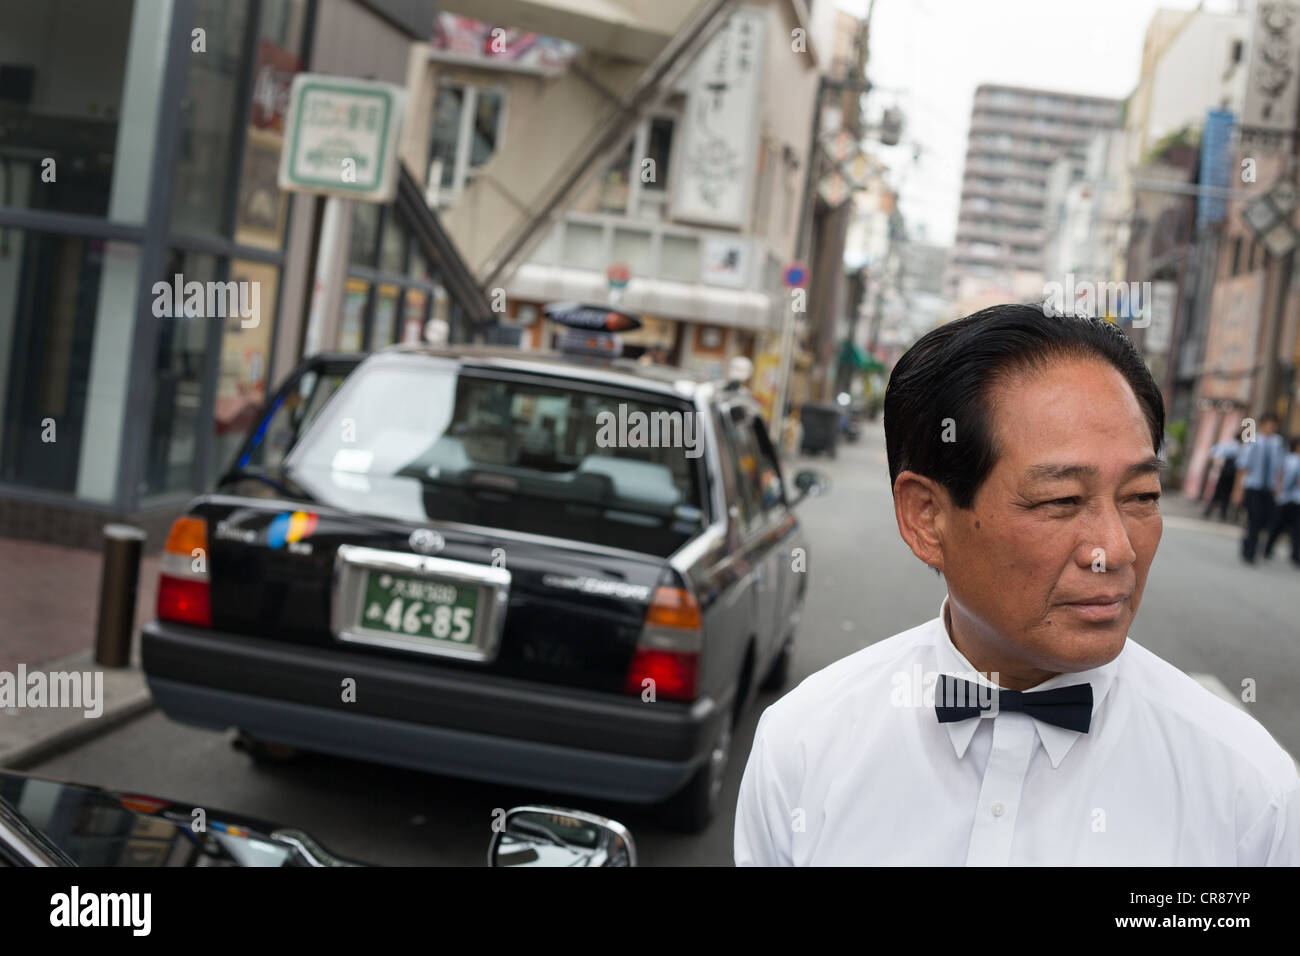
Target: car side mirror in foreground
[810,481]
[552,836]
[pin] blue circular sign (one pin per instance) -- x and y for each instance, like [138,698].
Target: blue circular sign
[795,275]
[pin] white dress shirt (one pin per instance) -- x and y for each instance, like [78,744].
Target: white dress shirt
[852,767]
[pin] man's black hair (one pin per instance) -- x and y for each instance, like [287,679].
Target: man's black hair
[951,371]
[1270,417]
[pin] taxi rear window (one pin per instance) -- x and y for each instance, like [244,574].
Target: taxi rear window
[544,456]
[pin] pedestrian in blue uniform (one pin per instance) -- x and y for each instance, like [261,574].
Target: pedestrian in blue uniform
[1259,476]
[1287,519]
[1225,452]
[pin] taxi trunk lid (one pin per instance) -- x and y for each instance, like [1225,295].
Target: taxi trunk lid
[554,611]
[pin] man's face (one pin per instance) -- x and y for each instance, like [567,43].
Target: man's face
[1068,515]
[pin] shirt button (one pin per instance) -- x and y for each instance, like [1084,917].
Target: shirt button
[998,809]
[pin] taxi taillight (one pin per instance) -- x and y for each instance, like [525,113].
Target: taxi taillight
[183,590]
[668,650]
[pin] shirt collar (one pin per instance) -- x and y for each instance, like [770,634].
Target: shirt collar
[1057,741]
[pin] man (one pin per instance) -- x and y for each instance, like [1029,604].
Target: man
[1225,453]
[1259,472]
[1287,519]
[1021,725]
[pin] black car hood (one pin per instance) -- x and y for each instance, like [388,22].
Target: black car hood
[92,826]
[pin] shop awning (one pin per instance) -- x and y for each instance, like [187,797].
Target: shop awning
[853,354]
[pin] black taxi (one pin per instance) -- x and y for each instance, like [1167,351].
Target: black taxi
[530,568]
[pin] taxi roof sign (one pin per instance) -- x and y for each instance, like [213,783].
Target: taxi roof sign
[594,318]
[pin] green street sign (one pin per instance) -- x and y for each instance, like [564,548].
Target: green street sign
[342,137]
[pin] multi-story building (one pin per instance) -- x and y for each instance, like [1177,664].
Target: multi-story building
[1016,135]
[699,207]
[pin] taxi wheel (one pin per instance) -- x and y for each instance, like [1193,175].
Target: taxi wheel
[693,808]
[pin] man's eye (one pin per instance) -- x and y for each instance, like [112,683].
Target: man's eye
[1061,501]
[1149,497]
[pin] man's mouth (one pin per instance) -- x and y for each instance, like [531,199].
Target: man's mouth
[1099,607]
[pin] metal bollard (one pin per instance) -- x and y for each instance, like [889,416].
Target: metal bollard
[123,545]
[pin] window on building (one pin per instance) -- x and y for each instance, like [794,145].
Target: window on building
[467,126]
[615,185]
[244,363]
[58,295]
[637,181]
[62,67]
[206,170]
[391,286]
[447,112]
[485,131]
[659,145]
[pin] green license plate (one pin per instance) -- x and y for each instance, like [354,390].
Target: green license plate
[418,607]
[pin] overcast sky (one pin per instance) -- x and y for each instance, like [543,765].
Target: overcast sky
[935,52]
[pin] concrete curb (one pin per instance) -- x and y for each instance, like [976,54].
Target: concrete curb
[29,736]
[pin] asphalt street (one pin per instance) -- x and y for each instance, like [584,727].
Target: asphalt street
[1203,610]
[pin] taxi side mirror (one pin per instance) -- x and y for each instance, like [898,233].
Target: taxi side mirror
[810,481]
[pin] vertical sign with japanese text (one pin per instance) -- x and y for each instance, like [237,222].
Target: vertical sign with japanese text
[720,139]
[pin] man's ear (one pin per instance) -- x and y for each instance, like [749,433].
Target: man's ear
[919,504]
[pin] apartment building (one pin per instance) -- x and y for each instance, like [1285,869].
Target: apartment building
[1016,135]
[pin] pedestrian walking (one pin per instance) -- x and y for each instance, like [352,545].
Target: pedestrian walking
[1287,519]
[1022,725]
[1225,453]
[1259,471]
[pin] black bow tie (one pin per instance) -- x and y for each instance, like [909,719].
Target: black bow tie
[1069,707]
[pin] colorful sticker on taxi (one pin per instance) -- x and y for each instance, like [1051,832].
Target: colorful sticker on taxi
[290,527]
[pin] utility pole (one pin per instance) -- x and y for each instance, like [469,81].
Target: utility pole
[828,258]
[1266,396]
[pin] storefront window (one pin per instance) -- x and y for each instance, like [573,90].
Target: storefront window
[63,66]
[245,359]
[65,304]
[352,323]
[365,230]
[415,312]
[210,113]
[392,254]
[262,209]
[419,267]
[385,332]
[178,376]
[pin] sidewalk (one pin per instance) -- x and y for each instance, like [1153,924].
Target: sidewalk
[49,608]
[49,600]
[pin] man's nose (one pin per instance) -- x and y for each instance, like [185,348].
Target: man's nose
[1107,534]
